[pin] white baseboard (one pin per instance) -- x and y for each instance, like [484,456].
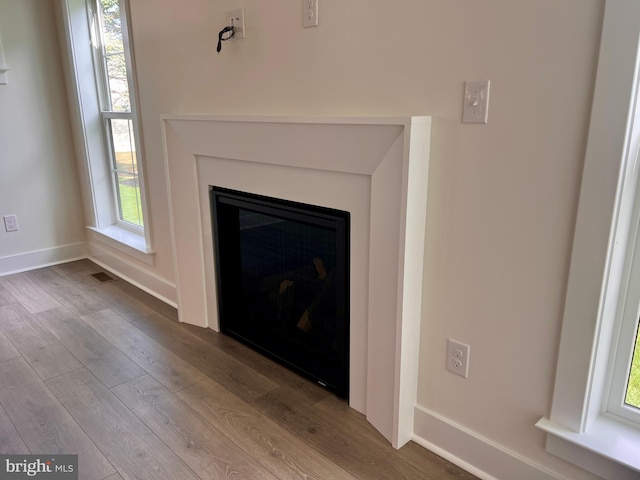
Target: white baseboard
[23,262]
[134,274]
[472,452]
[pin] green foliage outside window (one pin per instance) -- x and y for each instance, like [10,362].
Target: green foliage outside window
[633,390]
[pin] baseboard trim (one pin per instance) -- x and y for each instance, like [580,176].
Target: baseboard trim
[134,274]
[46,257]
[472,452]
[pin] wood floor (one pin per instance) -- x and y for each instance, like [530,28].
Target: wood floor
[105,371]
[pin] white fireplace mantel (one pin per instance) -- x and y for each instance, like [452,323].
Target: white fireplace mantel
[374,167]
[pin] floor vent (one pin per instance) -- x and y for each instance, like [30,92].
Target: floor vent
[102,277]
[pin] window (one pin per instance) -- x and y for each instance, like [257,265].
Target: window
[594,422]
[103,106]
[624,392]
[113,71]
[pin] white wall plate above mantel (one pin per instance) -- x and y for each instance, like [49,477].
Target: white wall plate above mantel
[3,67]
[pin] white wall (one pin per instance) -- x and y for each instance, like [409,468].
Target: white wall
[502,200]
[38,179]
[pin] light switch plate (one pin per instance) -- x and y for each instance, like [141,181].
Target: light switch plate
[476,102]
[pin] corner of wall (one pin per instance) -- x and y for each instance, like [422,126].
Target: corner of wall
[132,272]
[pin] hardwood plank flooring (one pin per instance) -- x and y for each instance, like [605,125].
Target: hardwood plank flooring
[169,369]
[311,391]
[44,353]
[43,423]
[73,296]
[152,302]
[261,437]
[106,371]
[124,305]
[235,376]
[118,301]
[10,439]
[128,444]
[30,295]
[199,444]
[104,360]
[5,297]
[357,455]
[412,453]
[7,350]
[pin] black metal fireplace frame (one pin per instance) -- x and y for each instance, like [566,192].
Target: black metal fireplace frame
[223,199]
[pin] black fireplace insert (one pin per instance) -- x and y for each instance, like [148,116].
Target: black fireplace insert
[282,271]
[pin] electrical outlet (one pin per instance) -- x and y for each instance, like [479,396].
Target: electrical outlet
[458,358]
[309,13]
[10,223]
[235,18]
[476,102]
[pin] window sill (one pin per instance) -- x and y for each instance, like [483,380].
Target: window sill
[125,241]
[615,443]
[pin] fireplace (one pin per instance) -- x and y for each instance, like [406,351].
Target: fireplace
[283,281]
[375,168]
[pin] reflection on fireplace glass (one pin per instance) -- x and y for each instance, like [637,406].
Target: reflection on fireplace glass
[282,276]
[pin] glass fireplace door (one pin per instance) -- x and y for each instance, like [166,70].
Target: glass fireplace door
[282,276]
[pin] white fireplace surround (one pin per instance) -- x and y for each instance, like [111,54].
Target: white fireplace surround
[374,167]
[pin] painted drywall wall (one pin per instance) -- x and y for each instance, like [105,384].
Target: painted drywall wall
[502,199]
[38,175]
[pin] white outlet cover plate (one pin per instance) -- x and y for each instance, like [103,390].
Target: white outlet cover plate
[309,13]
[236,18]
[458,358]
[476,102]
[10,223]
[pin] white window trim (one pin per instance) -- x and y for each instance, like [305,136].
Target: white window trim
[124,241]
[578,429]
[95,170]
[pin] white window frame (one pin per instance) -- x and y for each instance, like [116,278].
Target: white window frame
[626,329]
[107,116]
[580,426]
[91,139]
